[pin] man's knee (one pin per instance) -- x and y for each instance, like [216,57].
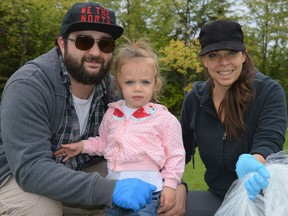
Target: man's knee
[15,201]
[74,211]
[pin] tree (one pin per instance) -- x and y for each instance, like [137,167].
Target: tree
[268,37]
[29,28]
[268,29]
[180,66]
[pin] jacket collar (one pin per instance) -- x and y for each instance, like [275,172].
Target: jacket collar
[202,90]
[143,112]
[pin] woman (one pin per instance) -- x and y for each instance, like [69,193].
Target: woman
[236,118]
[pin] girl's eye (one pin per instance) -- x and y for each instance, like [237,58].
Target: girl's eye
[145,82]
[129,82]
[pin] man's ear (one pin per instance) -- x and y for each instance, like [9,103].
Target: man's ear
[61,44]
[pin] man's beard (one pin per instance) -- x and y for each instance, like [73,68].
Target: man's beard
[78,72]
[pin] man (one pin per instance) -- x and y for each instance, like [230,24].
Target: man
[60,97]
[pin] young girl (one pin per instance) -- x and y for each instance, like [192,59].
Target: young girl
[138,138]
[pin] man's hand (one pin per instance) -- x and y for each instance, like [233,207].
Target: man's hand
[132,193]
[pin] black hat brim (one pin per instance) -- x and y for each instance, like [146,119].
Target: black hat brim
[223,45]
[113,30]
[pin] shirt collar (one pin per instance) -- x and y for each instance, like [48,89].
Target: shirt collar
[64,71]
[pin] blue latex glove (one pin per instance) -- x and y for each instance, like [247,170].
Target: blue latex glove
[255,184]
[259,180]
[132,193]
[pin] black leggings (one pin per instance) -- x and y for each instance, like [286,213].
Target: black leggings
[202,203]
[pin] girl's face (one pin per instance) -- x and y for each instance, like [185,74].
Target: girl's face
[224,66]
[136,81]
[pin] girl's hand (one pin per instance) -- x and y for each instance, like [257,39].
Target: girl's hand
[168,198]
[179,207]
[69,150]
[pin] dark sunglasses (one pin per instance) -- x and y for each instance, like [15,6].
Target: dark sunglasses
[84,42]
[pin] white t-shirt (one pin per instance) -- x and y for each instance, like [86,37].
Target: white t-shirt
[82,107]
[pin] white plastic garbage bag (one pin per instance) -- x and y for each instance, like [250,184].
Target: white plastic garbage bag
[276,194]
[273,201]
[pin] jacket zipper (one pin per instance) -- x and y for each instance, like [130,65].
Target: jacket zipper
[224,138]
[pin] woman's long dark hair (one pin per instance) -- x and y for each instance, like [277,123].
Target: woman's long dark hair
[237,100]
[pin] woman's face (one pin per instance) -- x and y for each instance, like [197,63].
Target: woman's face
[224,66]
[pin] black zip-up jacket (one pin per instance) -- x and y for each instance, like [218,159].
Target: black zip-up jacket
[265,121]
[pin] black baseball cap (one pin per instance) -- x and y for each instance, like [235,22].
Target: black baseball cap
[90,16]
[221,35]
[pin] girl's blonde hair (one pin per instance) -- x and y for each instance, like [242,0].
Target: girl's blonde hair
[138,49]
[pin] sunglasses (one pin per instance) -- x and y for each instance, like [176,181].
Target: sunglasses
[84,42]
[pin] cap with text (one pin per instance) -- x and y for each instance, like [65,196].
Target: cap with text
[90,16]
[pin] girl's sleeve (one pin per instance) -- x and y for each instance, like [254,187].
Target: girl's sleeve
[96,145]
[175,154]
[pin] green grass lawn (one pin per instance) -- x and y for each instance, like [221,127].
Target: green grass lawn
[195,177]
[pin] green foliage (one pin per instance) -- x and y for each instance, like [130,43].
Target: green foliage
[29,28]
[269,32]
[194,177]
[180,63]
[181,57]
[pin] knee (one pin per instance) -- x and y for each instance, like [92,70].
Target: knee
[47,206]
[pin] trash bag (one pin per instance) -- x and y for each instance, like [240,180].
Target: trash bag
[237,202]
[276,194]
[272,201]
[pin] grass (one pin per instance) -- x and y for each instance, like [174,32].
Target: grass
[195,177]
